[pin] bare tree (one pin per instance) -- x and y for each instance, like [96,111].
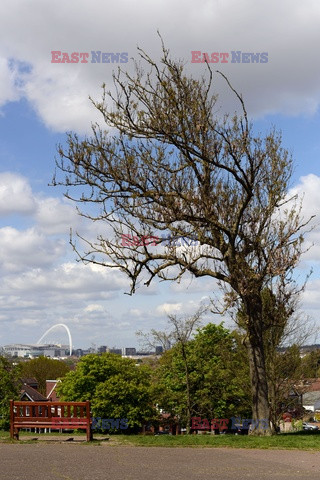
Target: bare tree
[177,167]
[155,338]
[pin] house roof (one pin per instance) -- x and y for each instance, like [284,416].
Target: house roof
[311,398]
[29,381]
[50,387]
[315,386]
[32,394]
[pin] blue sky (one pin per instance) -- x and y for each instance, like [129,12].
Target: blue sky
[41,283]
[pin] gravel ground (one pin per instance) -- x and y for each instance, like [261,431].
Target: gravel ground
[69,461]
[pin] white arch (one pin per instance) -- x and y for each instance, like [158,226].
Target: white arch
[54,326]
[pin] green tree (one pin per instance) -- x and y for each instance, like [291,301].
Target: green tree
[219,382]
[180,330]
[282,327]
[311,364]
[284,375]
[176,166]
[116,387]
[223,383]
[9,389]
[42,369]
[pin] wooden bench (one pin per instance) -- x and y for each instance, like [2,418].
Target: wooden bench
[53,415]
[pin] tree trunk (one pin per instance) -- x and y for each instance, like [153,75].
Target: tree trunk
[184,355]
[273,397]
[259,385]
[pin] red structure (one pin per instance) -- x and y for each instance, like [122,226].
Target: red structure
[53,415]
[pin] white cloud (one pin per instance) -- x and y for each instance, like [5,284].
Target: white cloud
[308,190]
[53,216]
[15,195]
[191,284]
[40,285]
[136,312]
[169,308]
[93,307]
[288,31]
[8,91]
[21,249]
[81,281]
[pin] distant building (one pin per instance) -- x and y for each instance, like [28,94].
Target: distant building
[102,349]
[116,351]
[128,351]
[33,351]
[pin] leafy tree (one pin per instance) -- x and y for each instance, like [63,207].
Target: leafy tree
[218,377]
[8,390]
[282,326]
[311,364]
[223,386]
[42,369]
[181,330]
[283,366]
[116,387]
[284,376]
[176,166]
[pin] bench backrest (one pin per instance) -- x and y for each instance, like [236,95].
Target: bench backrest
[36,411]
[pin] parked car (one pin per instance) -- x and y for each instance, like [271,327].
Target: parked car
[309,426]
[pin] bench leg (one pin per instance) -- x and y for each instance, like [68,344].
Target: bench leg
[89,435]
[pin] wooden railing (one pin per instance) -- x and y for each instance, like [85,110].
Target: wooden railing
[53,415]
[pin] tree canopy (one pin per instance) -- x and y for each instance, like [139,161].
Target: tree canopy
[116,387]
[9,389]
[42,369]
[219,382]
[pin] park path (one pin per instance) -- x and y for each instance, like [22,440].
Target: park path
[66,461]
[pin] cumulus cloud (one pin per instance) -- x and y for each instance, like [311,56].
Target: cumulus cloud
[169,308]
[41,284]
[27,249]
[81,281]
[93,307]
[308,192]
[180,308]
[8,90]
[15,195]
[54,216]
[59,92]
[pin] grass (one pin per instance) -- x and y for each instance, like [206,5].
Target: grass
[297,440]
[4,436]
